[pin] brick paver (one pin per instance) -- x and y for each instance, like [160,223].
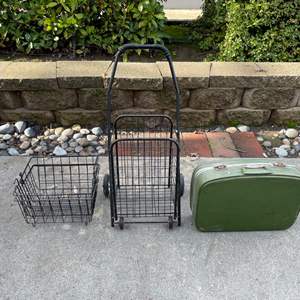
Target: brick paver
[247,143]
[195,143]
[221,144]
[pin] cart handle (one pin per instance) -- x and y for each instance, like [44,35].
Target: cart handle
[166,53]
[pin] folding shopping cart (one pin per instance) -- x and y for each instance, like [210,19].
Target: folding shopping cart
[144,181]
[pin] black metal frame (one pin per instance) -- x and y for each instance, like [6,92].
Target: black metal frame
[58,189]
[144,181]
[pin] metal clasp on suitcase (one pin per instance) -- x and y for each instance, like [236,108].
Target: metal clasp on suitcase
[220,167]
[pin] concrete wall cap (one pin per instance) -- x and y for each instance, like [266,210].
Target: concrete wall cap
[81,74]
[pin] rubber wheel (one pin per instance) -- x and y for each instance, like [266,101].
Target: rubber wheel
[121,223]
[105,185]
[181,185]
[170,222]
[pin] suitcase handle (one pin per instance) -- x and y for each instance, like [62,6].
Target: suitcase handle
[256,170]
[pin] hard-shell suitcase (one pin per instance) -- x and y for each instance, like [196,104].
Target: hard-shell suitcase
[245,194]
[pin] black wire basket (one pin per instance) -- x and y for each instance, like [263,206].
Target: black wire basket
[58,189]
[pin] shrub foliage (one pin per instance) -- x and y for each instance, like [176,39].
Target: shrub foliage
[250,30]
[78,24]
[262,30]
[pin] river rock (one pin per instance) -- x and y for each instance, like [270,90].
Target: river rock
[291,133]
[67,132]
[267,144]
[78,149]
[25,145]
[58,130]
[7,129]
[76,127]
[243,128]
[83,142]
[6,137]
[97,131]
[231,129]
[84,131]
[91,137]
[3,146]
[13,152]
[30,132]
[77,136]
[20,126]
[59,151]
[280,152]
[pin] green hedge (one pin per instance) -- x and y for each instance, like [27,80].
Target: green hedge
[209,29]
[262,30]
[76,25]
[250,30]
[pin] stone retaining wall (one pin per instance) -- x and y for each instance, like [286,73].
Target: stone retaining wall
[74,92]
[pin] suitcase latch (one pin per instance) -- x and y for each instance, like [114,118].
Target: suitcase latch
[220,167]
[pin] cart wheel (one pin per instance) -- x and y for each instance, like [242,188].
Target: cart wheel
[121,223]
[181,185]
[105,185]
[170,222]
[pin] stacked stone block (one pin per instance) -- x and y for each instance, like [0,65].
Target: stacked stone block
[75,92]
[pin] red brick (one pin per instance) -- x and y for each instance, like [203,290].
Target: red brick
[195,143]
[248,144]
[221,144]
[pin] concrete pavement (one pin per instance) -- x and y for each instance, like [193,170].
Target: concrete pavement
[72,261]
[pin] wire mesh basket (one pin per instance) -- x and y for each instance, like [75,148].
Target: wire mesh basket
[58,189]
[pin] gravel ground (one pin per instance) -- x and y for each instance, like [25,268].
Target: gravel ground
[22,138]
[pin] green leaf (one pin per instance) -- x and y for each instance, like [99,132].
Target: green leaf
[140,7]
[51,4]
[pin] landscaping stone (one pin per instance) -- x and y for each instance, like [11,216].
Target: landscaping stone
[77,136]
[269,98]
[76,127]
[91,137]
[291,133]
[243,128]
[30,132]
[29,76]
[62,138]
[67,132]
[50,100]
[10,100]
[280,152]
[81,74]
[58,131]
[35,116]
[231,130]
[250,74]
[13,152]
[84,131]
[267,144]
[85,117]
[284,116]
[215,98]
[192,118]
[78,149]
[6,137]
[168,98]
[131,76]
[25,145]
[246,116]
[147,99]
[20,126]
[3,146]
[190,75]
[59,151]
[83,142]
[7,128]
[97,131]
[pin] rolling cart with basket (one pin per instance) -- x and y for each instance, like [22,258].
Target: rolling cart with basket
[144,183]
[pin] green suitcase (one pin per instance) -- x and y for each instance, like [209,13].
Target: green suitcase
[245,194]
